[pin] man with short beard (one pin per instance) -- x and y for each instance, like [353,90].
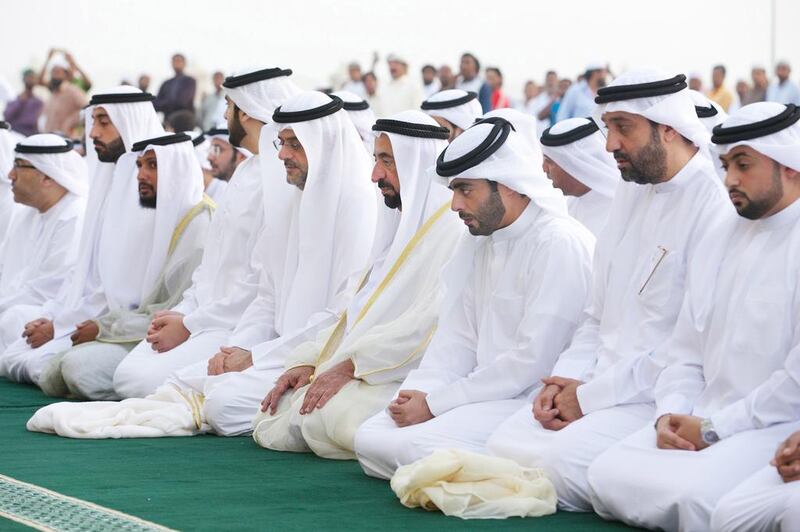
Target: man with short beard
[600,390]
[109,269]
[226,281]
[512,300]
[731,391]
[170,186]
[353,369]
[223,157]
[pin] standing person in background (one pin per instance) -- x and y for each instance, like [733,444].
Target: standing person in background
[579,99]
[758,92]
[719,93]
[212,110]
[696,82]
[177,93]
[356,83]
[783,90]
[541,106]
[62,111]
[494,78]
[23,113]
[144,82]
[373,95]
[447,80]
[401,92]
[469,80]
[430,83]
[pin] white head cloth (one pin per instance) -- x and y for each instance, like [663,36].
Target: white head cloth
[511,165]
[362,118]
[782,146]
[260,98]
[67,169]
[585,159]
[523,123]
[461,115]
[334,215]
[113,188]
[701,101]
[675,110]
[201,149]
[420,196]
[180,187]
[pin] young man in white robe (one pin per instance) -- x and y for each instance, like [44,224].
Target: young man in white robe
[352,370]
[307,279]
[576,161]
[223,158]
[454,109]
[170,184]
[600,390]
[213,188]
[730,392]
[514,292]
[360,113]
[111,269]
[226,281]
[49,183]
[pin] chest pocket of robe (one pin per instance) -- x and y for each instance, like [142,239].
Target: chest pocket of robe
[505,315]
[759,324]
[656,284]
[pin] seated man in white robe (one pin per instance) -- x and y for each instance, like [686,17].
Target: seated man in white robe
[223,157]
[110,269]
[514,292]
[171,185]
[769,499]
[225,283]
[454,109]
[352,370]
[307,279]
[601,387]
[711,114]
[731,389]
[7,205]
[50,183]
[213,188]
[361,115]
[576,160]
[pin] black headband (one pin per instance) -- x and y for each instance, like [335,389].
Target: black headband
[166,140]
[217,131]
[363,105]
[641,90]
[428,105]
[63,148]
[231,82]
[705,112]
[198,140]
[124,97]
[501,128]
[568,137]
[4,125]
[289,117]
[412,129]
[729,135]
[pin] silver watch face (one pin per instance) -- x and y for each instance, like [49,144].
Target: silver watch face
[710,437]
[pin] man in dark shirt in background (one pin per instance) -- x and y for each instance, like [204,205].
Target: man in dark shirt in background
[176,93]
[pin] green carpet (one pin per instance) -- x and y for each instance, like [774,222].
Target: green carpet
[212,483]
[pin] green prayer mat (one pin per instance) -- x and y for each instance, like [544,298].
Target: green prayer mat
[201,483]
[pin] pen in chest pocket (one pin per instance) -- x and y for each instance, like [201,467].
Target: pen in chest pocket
[659,258]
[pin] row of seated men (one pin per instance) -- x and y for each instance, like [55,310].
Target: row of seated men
[380,292]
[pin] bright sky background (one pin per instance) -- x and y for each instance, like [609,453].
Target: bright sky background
[122,38]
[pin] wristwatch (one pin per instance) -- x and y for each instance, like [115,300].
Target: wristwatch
[707,432]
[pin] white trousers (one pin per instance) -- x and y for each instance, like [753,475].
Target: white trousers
[381,446]
[21,363]
[232,400]
[12,323]
[642,485]
[85,372]
[762,503]
[566,454]
[144,370]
